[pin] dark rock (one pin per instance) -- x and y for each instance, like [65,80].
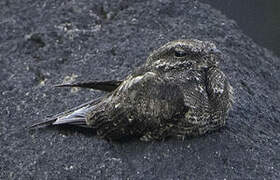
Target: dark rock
[44,42]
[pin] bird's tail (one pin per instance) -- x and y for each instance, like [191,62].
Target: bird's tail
[76,116]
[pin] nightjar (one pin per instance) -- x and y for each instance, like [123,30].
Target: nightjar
[179,91]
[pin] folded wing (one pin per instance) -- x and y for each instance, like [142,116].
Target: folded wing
[107,86]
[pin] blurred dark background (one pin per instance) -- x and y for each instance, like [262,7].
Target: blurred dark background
[259,19]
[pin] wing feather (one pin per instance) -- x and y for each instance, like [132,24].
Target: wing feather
[107,86]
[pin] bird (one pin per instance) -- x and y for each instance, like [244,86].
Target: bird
[179,91]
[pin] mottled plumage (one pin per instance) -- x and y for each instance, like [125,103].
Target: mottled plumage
[179,91]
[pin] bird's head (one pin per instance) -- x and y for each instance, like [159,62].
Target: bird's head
[187,54]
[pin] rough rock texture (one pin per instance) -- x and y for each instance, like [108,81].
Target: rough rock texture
[45,42]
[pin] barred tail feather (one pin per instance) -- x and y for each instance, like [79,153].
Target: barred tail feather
[76,116]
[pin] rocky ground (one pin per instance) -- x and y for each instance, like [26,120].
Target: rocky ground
[43,43]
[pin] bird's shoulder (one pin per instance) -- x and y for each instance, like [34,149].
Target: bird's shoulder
[150,84]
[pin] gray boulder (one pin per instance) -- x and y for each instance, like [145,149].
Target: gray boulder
[43,43]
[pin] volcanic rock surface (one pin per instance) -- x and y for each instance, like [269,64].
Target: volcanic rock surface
[43,43]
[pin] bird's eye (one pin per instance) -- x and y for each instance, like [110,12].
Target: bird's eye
[180,52]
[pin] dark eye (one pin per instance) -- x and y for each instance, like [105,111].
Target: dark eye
[180,52]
